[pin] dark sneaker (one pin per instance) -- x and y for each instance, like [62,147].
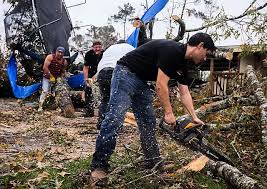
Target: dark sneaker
[98,178]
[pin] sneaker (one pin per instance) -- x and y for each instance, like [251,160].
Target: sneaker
[98,178]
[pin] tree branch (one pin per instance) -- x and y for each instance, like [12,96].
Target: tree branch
[251,4]
[226,19]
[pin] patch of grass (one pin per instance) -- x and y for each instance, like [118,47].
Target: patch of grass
[133,176]
[20,179]
[66,178]
[204,181]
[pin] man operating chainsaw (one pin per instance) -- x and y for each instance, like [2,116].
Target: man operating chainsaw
[158,60]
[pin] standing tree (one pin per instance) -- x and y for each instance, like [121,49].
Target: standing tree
[106,34]
[123,15]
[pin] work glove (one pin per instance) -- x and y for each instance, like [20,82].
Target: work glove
[52,79]
[89,82]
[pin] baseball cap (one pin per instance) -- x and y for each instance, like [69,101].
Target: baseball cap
[61,49]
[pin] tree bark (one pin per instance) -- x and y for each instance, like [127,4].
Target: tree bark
[228,126]
[63,98]
[224,104]
[211,99]
[261,99]
[232,175]
[215,107]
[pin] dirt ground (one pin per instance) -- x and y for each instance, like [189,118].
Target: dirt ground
[27,135]
[31,141]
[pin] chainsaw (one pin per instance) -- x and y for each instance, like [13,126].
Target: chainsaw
[193,135]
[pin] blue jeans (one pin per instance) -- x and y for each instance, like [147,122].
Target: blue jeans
[127,90]
[104,82]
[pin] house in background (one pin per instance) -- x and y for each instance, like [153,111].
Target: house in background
[225,75]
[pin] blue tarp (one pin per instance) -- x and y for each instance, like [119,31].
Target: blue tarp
[19,91]
[147,17]
[75,81]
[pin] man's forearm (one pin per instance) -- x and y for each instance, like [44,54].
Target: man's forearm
[163,94]
[187,101]
[46,72]
[85,73]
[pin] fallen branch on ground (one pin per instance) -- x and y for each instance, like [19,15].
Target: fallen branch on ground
[232,175]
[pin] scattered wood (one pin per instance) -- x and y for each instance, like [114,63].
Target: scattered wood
[195,165]
[130,119]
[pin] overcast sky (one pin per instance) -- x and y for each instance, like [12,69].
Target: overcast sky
[96,12]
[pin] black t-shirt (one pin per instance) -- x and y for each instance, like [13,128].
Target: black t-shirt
[92,60]
[167,55]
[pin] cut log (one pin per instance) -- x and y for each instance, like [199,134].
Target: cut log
[63,98]
[261,99]
[233,176]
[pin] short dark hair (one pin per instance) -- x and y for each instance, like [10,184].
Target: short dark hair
[200,37]
[96,43]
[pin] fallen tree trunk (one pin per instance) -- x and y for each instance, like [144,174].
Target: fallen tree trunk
[262,101]
[214,107]
[228,126]
[211,99]
[224,104]
[233,176]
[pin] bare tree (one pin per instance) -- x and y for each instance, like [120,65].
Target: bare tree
[213,19]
